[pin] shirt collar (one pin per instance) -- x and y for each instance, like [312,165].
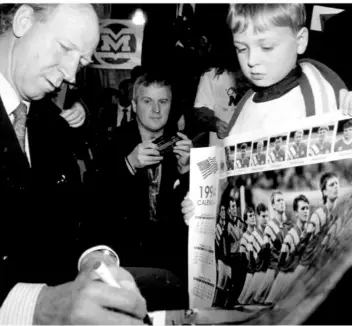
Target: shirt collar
[9,96]
[121,108]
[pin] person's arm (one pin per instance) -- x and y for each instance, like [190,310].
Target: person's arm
[203,106]
[18,307]
[82,301]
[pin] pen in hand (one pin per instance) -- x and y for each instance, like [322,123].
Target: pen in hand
[106,276]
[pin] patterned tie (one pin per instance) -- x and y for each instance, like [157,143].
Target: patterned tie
[19,123]
[124,119]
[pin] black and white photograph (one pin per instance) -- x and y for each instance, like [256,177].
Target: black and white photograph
[104,109]
[279,229]
[321,140]
[277,149]
[243,155]
[343,141]
[230,157]
[298,144]
[259,150]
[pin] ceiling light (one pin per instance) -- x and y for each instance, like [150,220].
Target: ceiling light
[139,17]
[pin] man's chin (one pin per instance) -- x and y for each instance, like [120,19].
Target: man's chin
[36,97]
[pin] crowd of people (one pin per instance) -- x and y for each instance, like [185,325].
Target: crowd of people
[132,214]
[263,252]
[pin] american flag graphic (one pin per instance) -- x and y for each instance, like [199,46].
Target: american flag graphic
[208,166]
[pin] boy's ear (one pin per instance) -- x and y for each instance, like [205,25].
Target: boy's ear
[23,20]
[302,40]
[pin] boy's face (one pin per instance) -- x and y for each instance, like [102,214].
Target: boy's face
[267,57]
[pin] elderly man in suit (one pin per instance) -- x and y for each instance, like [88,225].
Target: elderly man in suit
[41,46]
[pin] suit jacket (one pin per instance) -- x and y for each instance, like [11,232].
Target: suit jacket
[138,240]
[53,164]
[39,231]
[108,121]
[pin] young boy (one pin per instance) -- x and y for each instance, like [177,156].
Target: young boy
[268,39]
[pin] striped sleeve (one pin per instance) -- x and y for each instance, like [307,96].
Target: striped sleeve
[18,307]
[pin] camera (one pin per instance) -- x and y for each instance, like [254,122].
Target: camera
[165,143]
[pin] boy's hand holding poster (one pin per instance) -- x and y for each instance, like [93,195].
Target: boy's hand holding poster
[272,223]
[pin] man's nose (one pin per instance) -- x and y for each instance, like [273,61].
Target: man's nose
[69,67]
[155,108]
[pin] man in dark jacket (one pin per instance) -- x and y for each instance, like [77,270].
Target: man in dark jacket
[149,185]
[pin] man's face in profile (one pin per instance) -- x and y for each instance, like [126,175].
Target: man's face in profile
[50,51]
[279,204]
[232,210]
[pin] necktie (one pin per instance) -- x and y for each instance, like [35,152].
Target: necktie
[19,123]
[124,119]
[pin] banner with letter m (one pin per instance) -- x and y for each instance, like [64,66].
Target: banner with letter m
[120,45]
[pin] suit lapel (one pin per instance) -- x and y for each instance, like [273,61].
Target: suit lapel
[8,140]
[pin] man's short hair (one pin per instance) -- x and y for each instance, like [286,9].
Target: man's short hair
[41,11]
[297,200]
[299,132]
[323,182]
[243,146]
[262,15]
[347,125]
[248,209]
[323,128]
[151,78]
[261,208]
[273,194]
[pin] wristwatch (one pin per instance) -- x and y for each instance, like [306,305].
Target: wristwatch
[105,250]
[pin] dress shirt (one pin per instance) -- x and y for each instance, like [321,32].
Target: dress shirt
[121,114]
[11,101]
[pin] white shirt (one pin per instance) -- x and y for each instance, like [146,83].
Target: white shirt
[11,102]
[217,93]
[281,113]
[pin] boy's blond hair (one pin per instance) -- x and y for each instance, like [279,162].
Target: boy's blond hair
[262,15]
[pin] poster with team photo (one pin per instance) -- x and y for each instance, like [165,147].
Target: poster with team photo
[280,229]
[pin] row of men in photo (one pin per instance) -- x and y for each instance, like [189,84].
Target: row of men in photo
[290,146]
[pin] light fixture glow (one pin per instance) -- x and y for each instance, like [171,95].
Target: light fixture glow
[139,17]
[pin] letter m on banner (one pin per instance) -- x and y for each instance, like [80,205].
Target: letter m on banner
[208,166]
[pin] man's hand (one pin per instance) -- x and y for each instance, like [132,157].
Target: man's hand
[88,301]
[144,154]
[182,152]
[187,208]
[75,116]
[222,128]
[345,102]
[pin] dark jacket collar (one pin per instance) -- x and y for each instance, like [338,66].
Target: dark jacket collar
[264,94]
